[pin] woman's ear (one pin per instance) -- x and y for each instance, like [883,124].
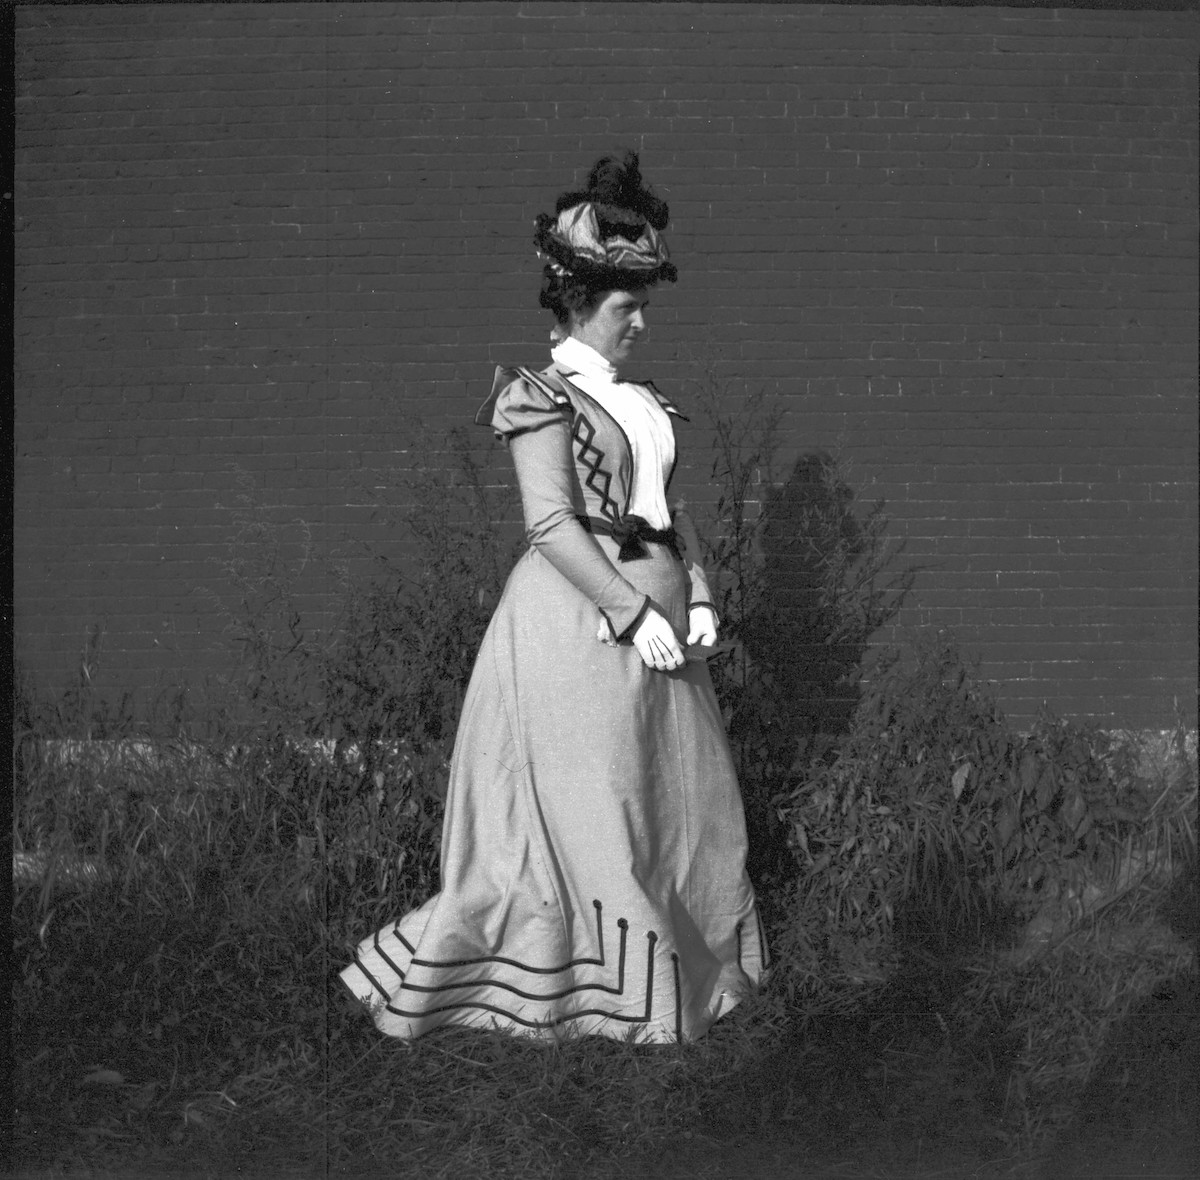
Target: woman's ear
[577,318]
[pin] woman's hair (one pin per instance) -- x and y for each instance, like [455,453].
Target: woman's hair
[567,294]
[602,238]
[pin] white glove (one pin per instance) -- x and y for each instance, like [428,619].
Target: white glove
[657,643]
[703,623]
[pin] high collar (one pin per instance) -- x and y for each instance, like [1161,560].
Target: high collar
[582,358]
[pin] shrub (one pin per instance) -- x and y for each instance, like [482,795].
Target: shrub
[935,812]
[183,901]
[352,726]
[942,888]
[804,578]
[1012,885]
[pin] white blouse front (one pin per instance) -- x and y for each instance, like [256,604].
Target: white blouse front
[637,412]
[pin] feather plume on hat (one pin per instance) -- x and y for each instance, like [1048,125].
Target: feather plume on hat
[608,235]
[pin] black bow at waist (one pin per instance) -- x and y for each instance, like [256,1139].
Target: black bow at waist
[632,533]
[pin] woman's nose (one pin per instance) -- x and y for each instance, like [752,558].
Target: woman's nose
[638,323]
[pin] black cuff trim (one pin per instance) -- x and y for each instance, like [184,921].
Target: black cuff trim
[637,620]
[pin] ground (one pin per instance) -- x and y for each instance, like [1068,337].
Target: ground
[835,1102]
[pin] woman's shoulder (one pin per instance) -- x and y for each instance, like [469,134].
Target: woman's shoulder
[523,399]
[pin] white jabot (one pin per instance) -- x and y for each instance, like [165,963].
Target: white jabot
[644,421]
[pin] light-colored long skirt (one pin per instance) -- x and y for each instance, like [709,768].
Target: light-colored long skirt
[593,856]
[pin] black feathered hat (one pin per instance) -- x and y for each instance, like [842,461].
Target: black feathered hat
[607,235]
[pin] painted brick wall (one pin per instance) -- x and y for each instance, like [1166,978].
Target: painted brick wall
[256,244]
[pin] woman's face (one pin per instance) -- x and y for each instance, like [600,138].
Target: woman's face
[613,324]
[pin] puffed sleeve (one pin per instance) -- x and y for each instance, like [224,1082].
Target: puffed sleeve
[538,432]
[699,593]
[517,405]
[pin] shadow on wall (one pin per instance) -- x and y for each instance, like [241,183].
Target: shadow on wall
[827,581]
[803,630]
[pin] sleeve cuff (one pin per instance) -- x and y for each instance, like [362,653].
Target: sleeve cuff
[627,631]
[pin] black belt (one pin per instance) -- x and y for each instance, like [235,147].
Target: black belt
[631,534]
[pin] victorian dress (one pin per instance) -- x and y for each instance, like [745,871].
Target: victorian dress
[594,847]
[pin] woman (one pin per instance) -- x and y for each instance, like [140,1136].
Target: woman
[593,856]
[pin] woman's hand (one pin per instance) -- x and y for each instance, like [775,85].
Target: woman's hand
[657,643]
[702,621]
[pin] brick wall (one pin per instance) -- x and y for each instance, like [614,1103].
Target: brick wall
[256,244]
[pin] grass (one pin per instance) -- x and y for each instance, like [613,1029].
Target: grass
[460,1104]
[176,1010]
[170,1024]
[879,1094]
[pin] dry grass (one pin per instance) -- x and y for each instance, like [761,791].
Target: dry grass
[176,1013]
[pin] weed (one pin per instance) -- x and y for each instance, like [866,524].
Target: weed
[804,578]
[966,920]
